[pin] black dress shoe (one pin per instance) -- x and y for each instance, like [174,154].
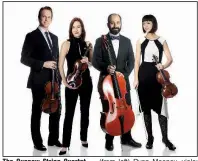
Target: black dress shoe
[168,144]
[62,152]
[85,145]
[41,147]
[132,143]
[58,144]
[109,146]
[149,144]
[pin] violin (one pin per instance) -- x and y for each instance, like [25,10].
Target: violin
[120,117]
[74,79]
[163,77]
[51,102]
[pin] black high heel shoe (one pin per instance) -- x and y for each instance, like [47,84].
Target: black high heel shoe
[62,152]
[85,145]
[168,144]
[149,144]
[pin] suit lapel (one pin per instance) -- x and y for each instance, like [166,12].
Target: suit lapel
[53,45]
[121,45]
[43,39]
[111,48]
[52,38]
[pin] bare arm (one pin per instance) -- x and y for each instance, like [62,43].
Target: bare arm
[64,50]
[137,60]
[168,55]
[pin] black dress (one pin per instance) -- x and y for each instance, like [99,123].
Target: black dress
[149,89]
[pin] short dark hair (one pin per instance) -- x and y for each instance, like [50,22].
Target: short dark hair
[109,17]
[83,34]
[44,8]
[153,20]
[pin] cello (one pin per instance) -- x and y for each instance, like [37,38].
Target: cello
[163,77]
[120,117]
[74,79]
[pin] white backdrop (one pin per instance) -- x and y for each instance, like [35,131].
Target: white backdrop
[177,24]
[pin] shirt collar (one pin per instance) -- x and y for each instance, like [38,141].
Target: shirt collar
[110,34]
[42,29]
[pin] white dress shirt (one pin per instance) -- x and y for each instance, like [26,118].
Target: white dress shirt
[43,33]
[115,44]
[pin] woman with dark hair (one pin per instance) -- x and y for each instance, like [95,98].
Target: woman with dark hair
[149,89]
[74,49]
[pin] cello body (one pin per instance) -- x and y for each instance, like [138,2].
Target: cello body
[120,117]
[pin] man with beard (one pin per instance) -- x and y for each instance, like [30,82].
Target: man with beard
[123,60]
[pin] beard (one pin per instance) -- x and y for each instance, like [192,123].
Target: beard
[114,30]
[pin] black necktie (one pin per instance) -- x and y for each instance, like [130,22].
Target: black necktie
[115,37]
[48,40]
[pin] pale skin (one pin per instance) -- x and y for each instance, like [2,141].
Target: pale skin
[147,25]
[45,20]
[114,22]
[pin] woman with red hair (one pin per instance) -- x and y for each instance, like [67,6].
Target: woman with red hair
[72,50]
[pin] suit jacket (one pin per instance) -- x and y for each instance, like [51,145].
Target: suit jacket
[35,52]
[124,61]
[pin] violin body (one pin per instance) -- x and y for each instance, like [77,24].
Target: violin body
[163,77]
[120,117]
[74,79]
[51,102]
[169,89]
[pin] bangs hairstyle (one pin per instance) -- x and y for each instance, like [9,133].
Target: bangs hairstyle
[44,8]
[153,20]
[83,34]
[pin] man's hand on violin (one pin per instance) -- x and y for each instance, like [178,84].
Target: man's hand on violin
[50,64]
[84,60]
[159,66]
[111,69]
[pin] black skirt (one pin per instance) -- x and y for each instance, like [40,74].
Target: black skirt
[149,89]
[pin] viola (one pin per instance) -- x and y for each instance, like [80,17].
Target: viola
[120,117]
[74,79]
[169,89]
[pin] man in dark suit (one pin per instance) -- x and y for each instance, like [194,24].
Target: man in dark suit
[123,60]
[40,52]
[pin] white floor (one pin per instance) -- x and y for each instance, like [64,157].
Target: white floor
[17,136]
